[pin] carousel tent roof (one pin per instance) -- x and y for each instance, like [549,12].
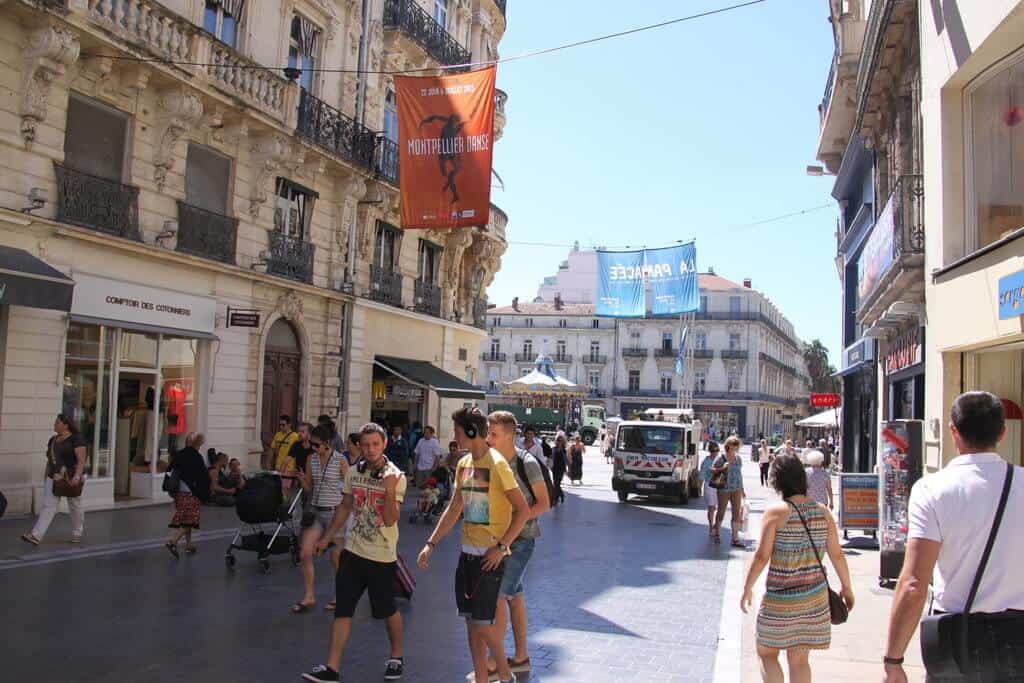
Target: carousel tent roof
[827,418]
[542,379]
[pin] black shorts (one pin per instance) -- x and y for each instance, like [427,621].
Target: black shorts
[476,591]
[357,574]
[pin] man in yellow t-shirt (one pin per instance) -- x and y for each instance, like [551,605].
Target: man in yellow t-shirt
[281,445]
[494,511]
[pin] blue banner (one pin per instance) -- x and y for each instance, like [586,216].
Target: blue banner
[620,284]
[672,272]
[1011,295]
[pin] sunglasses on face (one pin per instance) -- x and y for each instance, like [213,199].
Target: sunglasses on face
[316,444]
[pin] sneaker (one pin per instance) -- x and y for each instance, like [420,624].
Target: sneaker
[393,669]
[321,674]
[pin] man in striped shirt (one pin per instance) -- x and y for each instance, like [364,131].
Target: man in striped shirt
[321,481]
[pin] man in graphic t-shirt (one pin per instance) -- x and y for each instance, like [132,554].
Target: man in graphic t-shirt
[494,511]
[373,492]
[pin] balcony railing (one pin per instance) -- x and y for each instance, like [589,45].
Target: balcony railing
[703,353]
[290,257]
[385,286]
[206,233]
[325,126]
[147,24]
[97,203]
[493,357]
[238,75]
[909,214]
[775,362]
[562,358]
[829,84]
[750,316]
[734,354]
[594,359]
[634,352]
[408,17]
[386,163]
[427,298]
[526,357]
[896,242]
[662,352]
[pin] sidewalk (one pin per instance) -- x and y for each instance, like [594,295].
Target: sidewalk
[857,645]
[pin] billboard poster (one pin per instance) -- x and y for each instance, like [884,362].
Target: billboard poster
[877,255]
[620,284]
[445,142]
[858,501]
[672,273]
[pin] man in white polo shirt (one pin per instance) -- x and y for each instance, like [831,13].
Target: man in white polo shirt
[427,456]
[950,517]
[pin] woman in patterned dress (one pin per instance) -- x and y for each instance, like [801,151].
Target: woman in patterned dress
[794,614]
[194,489]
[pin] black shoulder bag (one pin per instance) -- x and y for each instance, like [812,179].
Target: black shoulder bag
[966,644]
[836,607]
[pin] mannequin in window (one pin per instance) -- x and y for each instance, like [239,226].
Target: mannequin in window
[140,427]
[174,402]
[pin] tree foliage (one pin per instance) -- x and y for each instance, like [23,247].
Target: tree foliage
[818,367]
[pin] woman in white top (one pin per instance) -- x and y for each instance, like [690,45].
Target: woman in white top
[764,460]
[819,481]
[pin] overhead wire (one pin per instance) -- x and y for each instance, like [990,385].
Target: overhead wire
[450,67]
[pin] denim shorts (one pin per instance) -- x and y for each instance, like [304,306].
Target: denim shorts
[515,567]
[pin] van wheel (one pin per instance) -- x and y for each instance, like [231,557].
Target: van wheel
[623,496]
[588,438]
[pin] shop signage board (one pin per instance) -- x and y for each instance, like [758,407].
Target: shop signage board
[243,317]
[858,501]
[860,351]
[404,392]
[119,301]
[825,400]
[905,351]
[878,255]
[1011,295]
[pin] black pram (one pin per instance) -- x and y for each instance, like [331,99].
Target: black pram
[261,502]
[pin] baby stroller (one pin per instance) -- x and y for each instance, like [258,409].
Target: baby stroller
[261,503]
[442,478]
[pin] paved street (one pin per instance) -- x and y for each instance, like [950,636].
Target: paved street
[616,592]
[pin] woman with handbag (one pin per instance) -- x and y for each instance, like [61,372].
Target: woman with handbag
[798,608]
[727,479]
[65,465]
[189,469]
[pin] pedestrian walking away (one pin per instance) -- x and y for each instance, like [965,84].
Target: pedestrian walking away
[64,478]
[428,453]
[794,615]
[501,434]
[373,493]
[710,493]
[819,481]
[576,452]
[961,541]
[728,467]
[321,480]
[189,469]
[559,465]
[764,460]
[493,511]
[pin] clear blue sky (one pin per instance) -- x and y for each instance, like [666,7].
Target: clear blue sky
[670,134]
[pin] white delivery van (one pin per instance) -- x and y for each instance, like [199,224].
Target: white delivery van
[656,457]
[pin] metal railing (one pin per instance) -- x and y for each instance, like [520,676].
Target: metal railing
[829,85]
[326,127]
[773,361]
[386,162]
[290,257]
[703,353]
[385,286]
[908,214]
[594,359]
[561,358]
[634,352]
[408,17]
[749,316]
[427,298]
[493,357]
[97,203]
[525,357]
[734,354]
[206,233]
[662,352]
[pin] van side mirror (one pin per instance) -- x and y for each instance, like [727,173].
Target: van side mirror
[691,449]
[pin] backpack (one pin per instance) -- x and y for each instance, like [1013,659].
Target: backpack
[545,472]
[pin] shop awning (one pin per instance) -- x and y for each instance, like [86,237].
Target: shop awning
[428,376]
[852,369]
[28,281]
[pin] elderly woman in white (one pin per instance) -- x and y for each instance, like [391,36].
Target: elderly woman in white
[819,481]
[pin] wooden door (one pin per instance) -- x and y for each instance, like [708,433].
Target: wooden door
[280,389]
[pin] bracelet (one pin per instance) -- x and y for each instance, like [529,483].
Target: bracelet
[431,544]
[893,661]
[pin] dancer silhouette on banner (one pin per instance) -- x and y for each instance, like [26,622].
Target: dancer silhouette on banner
[449,162]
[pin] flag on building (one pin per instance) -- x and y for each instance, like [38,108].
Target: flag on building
[681,354]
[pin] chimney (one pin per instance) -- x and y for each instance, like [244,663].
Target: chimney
[515,303]
[558,301]
[747,282]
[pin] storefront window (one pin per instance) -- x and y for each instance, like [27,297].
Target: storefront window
[178,397]
[138,350]
[87,368]
[996,153]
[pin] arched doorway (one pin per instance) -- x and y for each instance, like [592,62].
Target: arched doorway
[282,363]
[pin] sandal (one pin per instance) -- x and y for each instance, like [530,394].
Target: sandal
[75,540]
[302,607]
[330,606]
[190,550]
[172,548]
[738,544]
[29,538]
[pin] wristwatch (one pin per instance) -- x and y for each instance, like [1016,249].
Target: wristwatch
[504,548]
[893,661]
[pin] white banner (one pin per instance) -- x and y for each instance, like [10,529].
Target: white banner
[117,300]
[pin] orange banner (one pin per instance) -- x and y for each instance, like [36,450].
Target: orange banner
[446,142]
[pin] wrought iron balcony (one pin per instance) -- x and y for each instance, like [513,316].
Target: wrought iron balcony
[493,357]
[562,358]
[386,163]
[596,393]
[829,84]
[206,233]
[325,126]
[427,298]
[775,362]
[594,359]
[662,352]
[385,286]
[734,354]
[97,203]
[412,20]
[634,352]
[703,353]
[289,257]
[526,357]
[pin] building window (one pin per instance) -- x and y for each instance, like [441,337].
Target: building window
[207,174]
[733,377]
[293,208]
[560,348]
[525,372]
[734,304]
[634,339]
[495,347]
[595,323]
[497,322]
[528,348]
[995,152]
[463,355]
[386,247]
[701,341]
[441,12]
[594,379]
[734,341]
[492,385]
[666,341]
[703,304]
[634,380]
[302,49]
[221,19]
[390,117]
[666,384]
[562,323]
[529,322]
[700,380]
[95,138]
[428,260]
[595,349]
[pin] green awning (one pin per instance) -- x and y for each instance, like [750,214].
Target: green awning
[429,376]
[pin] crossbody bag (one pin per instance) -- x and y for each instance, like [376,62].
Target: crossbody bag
[980,643]
[309,513]
[836,607]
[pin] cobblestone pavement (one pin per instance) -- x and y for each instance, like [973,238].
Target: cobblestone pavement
[615,593]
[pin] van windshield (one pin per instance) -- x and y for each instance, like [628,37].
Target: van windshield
[652,439]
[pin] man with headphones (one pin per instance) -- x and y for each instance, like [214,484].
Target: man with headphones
[373,492]
[494,511]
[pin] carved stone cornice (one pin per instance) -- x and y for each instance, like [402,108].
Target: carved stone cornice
[290,307]
[49,52]
[270,153]
[179,111]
